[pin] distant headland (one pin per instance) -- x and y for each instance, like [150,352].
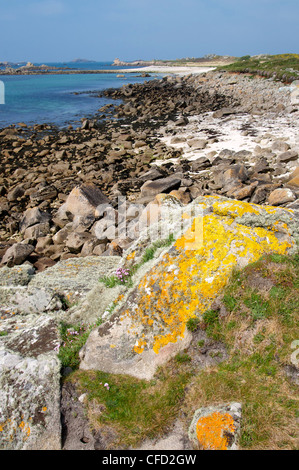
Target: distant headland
[210,60]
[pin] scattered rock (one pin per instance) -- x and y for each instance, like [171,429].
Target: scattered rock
[32,217]
[17,254]
[15,193]
[281,196]
[164,185]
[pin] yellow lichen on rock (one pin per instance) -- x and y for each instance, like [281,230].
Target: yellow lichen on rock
[149,326]
[234,209]
[187,279]
[213,431]
[139,346]
[131,255]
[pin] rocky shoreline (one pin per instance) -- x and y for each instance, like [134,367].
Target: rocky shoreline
[80,203]
[198,135]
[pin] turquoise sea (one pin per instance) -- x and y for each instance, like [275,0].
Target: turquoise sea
[38,99]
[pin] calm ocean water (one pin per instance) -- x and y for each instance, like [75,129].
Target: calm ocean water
[50,98]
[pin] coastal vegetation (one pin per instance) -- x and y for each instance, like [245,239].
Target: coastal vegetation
[284,67]
[258,330]
[73,338]
[124,276]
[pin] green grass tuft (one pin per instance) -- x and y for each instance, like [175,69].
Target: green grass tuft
[284,67]
[73,338]
[182,357]
[150,252]
[193,324]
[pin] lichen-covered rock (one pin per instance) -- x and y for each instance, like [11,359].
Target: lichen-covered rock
[75,276]
[29,300]
[29,412]
[16,276]
[150,325]
[216,427]
[29,384]
[281,196]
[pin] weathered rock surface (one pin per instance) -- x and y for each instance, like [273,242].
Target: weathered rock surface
[150,326]
[75,277]
[216,427]
[152,188]
[31,307]
[30,386]
[281,196]
[17,254]
[192,128]
[84,200]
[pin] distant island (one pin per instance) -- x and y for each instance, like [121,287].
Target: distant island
[82,61]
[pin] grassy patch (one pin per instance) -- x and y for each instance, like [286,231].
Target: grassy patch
[73,339]
[284,67]
[135,409]
[259,330]
[193,324]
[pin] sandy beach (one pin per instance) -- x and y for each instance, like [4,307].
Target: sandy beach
[168,69]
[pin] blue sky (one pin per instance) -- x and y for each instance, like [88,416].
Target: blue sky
[62,30]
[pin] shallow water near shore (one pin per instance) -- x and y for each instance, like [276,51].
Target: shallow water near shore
[37,99]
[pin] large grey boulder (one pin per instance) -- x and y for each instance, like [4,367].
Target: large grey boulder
[33,216]
[163,185]
[181,281]
[29,384]
[17,254]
